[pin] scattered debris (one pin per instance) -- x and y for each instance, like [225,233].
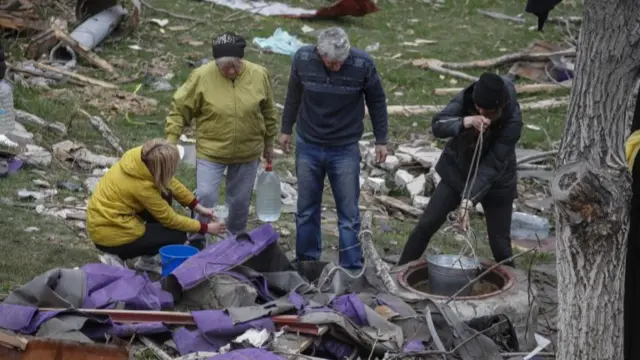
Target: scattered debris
[26,118]
[104,130]
[281,42]
[520,89]
[338,9]
[501,16]
[77,155]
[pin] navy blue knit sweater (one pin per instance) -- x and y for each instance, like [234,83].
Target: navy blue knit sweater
[327,106]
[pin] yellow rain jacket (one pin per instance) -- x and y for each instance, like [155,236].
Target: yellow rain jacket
[234,119]
[126,190]
[631,148]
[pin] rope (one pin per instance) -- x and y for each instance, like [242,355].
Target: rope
[468,186]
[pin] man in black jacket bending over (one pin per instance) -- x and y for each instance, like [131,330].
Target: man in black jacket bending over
[490,106]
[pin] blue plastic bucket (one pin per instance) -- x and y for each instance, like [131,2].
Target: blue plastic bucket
[171,256]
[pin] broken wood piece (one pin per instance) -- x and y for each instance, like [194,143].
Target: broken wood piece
[104,130]
[83,51]
[87,80]
[135,316]
[507,59]
[410,110]
[575,20]
[41,44]
[537,157]
[437,66]
[371,255]
[520,89]
[177,16]
[41,349]
[56,77]
[399,205]
[10,20]
[13,341]
[200,355]
[26,118]
[155,348]
[501,16]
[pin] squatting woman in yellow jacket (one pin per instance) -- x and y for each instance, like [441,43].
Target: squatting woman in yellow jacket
[130,213]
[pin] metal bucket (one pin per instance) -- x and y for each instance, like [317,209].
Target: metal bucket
[450,273]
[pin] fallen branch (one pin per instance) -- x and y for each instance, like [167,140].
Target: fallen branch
[536,157]
[169,13]
[501,16]
[437,66]
[397,204]
[200,355]
[520,89]
[157,351]
[83,51]
[410,110]
[370,254]
[57,77]
[507,59]
[26,118]
[576,20]
[104,130]
[87,80]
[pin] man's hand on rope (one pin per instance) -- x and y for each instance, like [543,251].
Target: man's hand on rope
[462,217]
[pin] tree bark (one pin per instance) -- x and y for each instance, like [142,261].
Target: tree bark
[592,188]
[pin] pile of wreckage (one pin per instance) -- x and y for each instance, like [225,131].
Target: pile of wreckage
[241,298]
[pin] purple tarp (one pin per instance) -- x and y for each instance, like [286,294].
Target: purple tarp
[413,346]
[244,354]
[107,285]
[215,329]
[352,308]
[223,256]
[189,342]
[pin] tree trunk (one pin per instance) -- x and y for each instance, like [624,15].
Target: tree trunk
[592,188]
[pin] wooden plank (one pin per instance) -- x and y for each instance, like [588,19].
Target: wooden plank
[75,76]
[399,205]
[83,51]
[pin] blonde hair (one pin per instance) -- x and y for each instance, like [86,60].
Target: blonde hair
[162,159]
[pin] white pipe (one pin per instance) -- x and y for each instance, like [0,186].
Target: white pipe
[90,33]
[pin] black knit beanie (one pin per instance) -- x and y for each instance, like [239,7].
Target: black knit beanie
[3,65]
[488,92]
[228,44]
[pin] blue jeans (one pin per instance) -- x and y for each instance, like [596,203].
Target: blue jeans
[342,166]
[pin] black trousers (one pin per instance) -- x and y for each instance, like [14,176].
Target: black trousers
[497,205]
[155,236]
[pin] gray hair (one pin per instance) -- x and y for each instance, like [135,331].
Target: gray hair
[333,43]
[227,60]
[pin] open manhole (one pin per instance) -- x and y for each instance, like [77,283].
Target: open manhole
[416,279]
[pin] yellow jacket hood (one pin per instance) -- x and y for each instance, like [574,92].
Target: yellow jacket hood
[631,148]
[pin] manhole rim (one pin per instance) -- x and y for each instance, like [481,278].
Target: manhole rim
[500,270]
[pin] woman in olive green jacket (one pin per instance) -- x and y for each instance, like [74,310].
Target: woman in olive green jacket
[231,102]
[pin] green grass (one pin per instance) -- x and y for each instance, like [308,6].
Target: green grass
[461,34]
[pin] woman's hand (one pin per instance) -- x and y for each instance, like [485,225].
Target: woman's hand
[215,228]
[203,211]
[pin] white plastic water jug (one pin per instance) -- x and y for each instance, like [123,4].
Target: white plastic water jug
[268,203]
[7,112]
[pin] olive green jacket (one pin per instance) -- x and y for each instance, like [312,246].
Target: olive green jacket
[234,119]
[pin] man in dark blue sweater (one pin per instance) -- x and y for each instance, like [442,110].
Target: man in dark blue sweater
[328,88]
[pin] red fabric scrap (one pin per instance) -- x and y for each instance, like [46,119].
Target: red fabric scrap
[341,8]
